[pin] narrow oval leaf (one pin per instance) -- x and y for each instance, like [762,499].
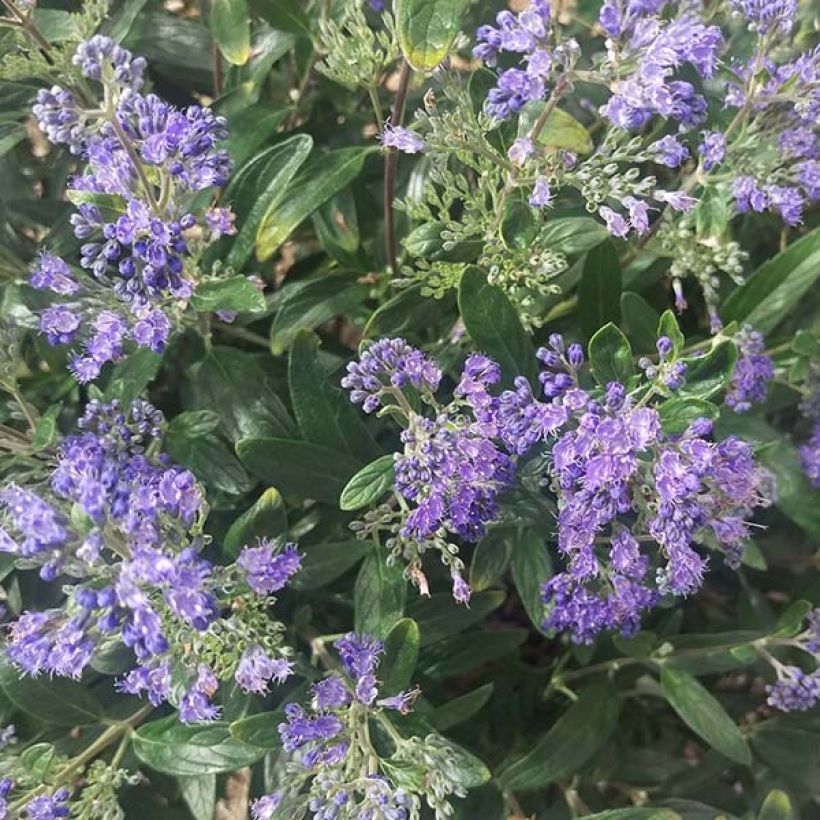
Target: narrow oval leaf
[401,653]
[561,130]
[235,293]
[297,467]
[773,290]
[265,519]
[323,411]
[379,595]
[704,715]
[426,29]
[568,745]
[461,708]
[231,28]
[494,326]
[323,177]
[271,173]
[531,569]
[323,563]
[58,701]
[610,355]
[369,484]
[678,413]
[599,291]
[176,749]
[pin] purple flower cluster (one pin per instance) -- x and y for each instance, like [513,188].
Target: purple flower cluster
[527,33]
[122,524]
[657,49]
[620,481]
[322,738]
[810,457]
[402,139]
[752,374]
[784,101]
[765,16]
[451,468]
[137,255]
[46,806]
[610,461]
[796,690]
[387,366]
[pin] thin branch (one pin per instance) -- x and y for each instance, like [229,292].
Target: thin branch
[390,165]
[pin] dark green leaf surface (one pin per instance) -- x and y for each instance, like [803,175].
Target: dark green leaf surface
[494,326]
[184,751]
[426,29]
[704,715]
[568,745]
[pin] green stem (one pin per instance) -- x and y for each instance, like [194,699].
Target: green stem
[391,159]
[67,772]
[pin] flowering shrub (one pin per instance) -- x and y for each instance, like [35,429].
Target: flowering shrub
[409,410]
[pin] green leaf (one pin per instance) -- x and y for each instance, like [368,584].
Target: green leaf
[297,468]
[36,761]
[231,28]
[193,442]
[111,206]
[174,748]
[323,177]
[668,326]
[777,286]
[132,375]
[599,291]
[235,385]
[46,432]
[401,654]
[704,715]
[561,130]
[268,176]
[791,621]
[311,303]
[642,813]
[494,326]
[10,134]
[491,558]
[461,708]
[369,484]
[531,569]
[235,293]
[568,745]
[777,806]
[251,128]
[788,745]
[678,413]
[640,321]
[708,375]
[462,653]
[261,730]
[286,15]
[265,519]
[437,617]
[407,314]
[59,701]
[610,355]
[805,343]
[379,595]
[640,645]
[323,563]
[573,234]
[323,412]
[199,795]
[426,29]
